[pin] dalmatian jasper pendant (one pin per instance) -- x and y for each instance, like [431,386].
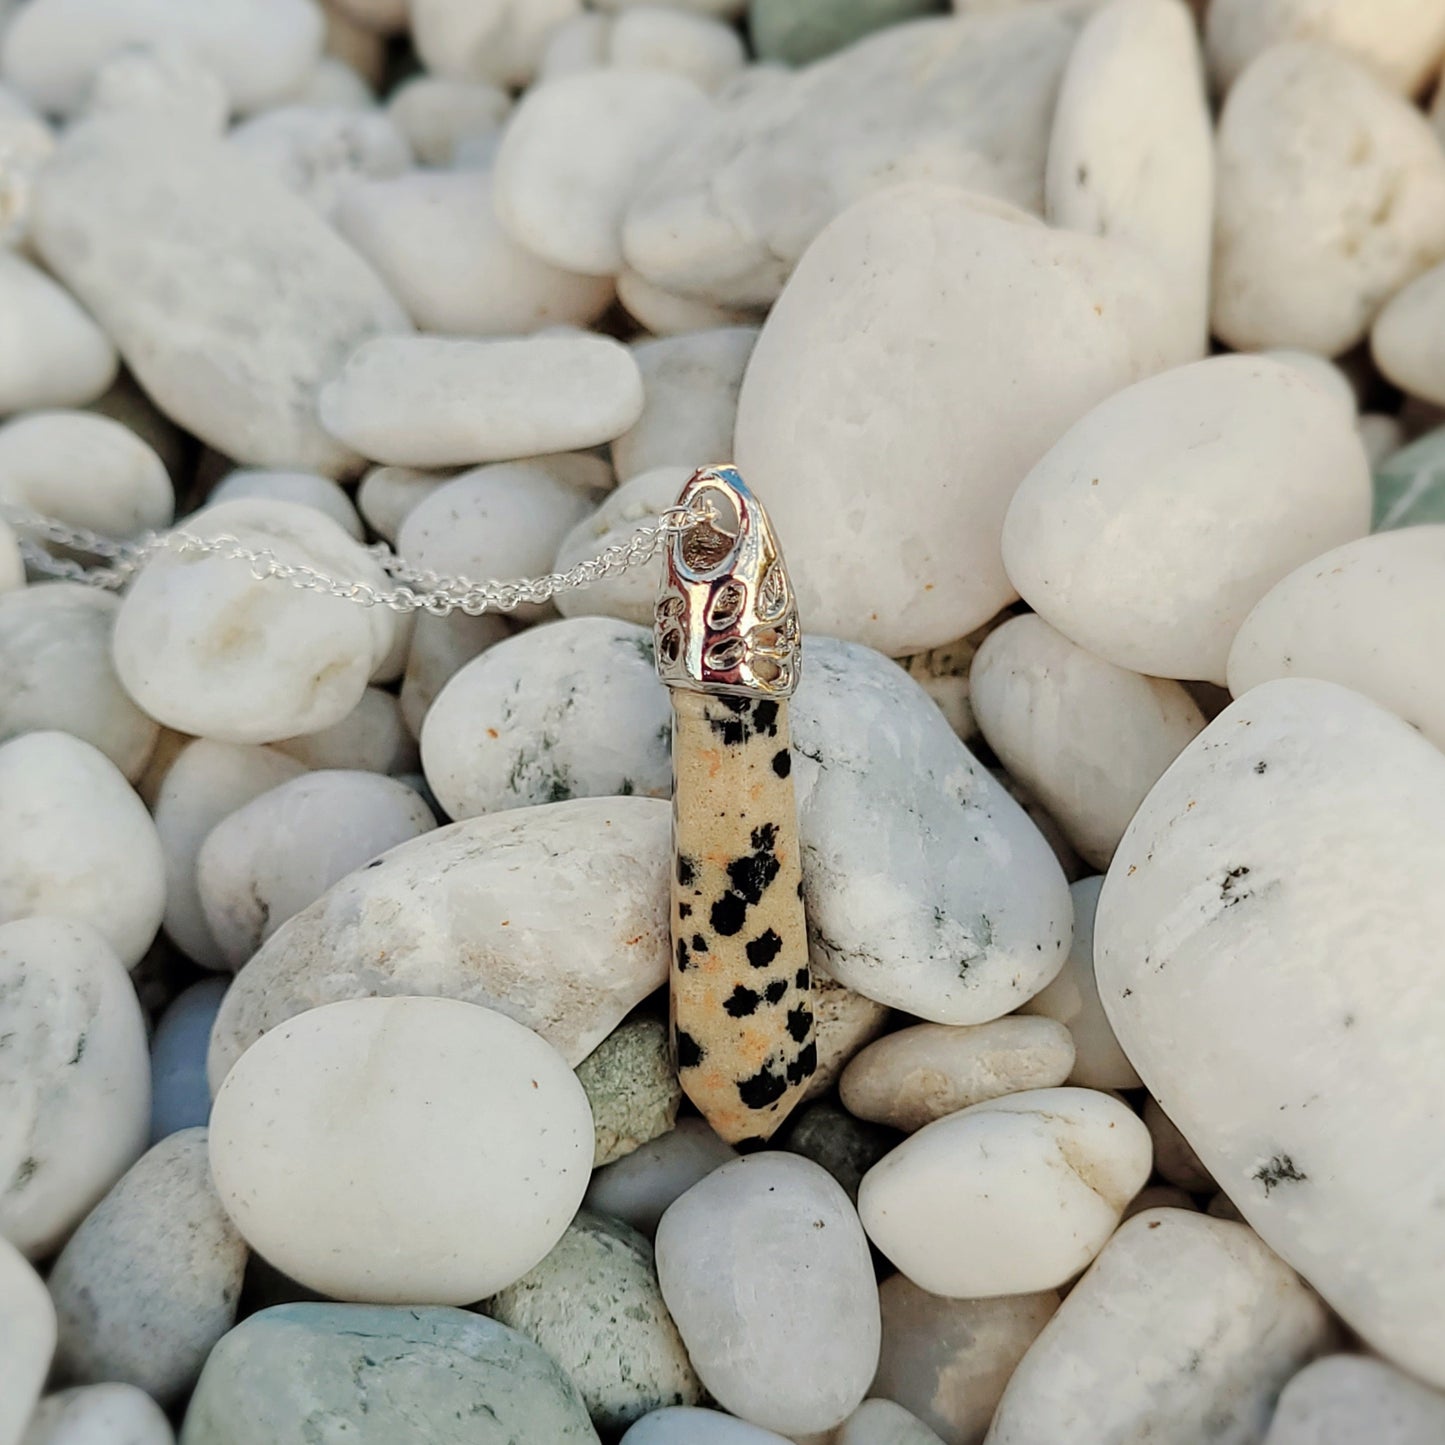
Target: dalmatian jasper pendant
[728,648]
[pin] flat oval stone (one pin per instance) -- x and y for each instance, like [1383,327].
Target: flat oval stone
[1273,904]
[97,1414]
[53,353]
[767,1273]
[75,1080]
[1011,1196]
[377,1375]
[180,1096]
[484,1192]
[555,915]
[1342,1399]
[27,1338]
[150,1281]
[308,489]
[639,1188]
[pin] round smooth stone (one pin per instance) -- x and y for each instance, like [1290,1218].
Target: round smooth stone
[870,329]
[1174,1156]
[418,1195]
[1382,436]
[1326,374]
[500,41]
[127,404]
[76,842]
[55,658]
[149,1282]
[1011,1196]
[279,853]
[691,387]
[207,648]
[845,1146]
[843,1021]
[436,113]
[1220,1320]
[1086,738]
[27,1339]
[118,183]
[910,1078]
[657,37]
[1073,999]
[766,1270]
[434,401]
[1273,905]
[687,1425]
[111,1414]
[1149,530]
[948,1360]
[74,1080]
[53,353]
[206,783]
[569,710]
[555,916]
[1410,484]
[631,1085]
[576,45]
[595,1306]
[575,153]
[163,78]
[881,1422]
[372,737]
[1342,1399]
[1405,342]
[796,32]
[377,1376]
[1330,196]
[440,648]
[307,489]
[1369,615]
[640,1187]
[180,1096]
[387,494]
[665,313]
[435,238]
[85,470]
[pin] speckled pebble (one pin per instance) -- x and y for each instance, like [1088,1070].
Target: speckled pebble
[845,1146]
[631,1083]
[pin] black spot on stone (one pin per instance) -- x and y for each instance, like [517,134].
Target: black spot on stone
[765,718]
[763,837]
[804,1066]
[1279,1170]
[800,887]
[800,1022]
[763,949]
[690,1053]
[751,874]
[782,762]
[803,979]
[764,1088]
[682,959]
[686,870]
[728,914]
[775,990]
[1260,766]
[699,943]
[375,863]
[1229,891]
[742,1002]
[684,910]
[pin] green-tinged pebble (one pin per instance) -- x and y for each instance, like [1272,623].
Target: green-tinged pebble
[846,1147]
[632,1087]
[797,31]
[1410,485]
[595,1306]
[379,1375]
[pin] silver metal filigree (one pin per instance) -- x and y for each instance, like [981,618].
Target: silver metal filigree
[726,619]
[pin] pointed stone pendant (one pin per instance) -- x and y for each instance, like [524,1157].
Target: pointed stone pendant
[728,648]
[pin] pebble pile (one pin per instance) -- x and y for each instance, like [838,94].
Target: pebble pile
[1089,357]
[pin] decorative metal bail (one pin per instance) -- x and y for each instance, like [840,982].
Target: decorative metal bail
[726,619]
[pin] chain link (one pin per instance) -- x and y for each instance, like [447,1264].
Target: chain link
[435,593]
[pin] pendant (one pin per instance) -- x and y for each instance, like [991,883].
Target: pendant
[729,650]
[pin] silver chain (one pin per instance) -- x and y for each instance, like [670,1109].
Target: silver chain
[419,590]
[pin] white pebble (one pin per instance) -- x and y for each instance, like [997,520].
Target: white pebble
[27,1340]
[306,489]
[1150,529]
[1174,1156]
[881,1422]
[53,353]
[440,649]
[574,155]
[436,112]
[1381,436]
[1405,339]
[500,41]
[180,1098]
[1345,1399]
[372,737]
[12,560]
[660,37]
[207,648]
[1331,196]
[689,1425]
[335,83]
[76,842]
[640,1187]
[112,1414]
[462,1154]
[665,313]
[55,658]
[767,1273]
[387,494]
[433,401]
[166,78]
[1184,1330]
[435,238]
[75,1080]
[1011,1196]
[1327,375]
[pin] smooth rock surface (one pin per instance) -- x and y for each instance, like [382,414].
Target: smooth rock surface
[387,494]
[1011,1196]
[661,37]
[500,41]
[165,77]
[688,1425]
[150,1281]
[1149,530]
[766,1271]
[1271,905]
[1410,484]
[483,1193]
[180,1097]
[665,313]
[52,354]
[948,1360]
[376,1375]
[919,1074]
[631,1085]
[1331,196]
[1404,340]
[595,1306]
[138,218]
[308,489]
[881,1422]
[372,737]
[1086,738]
[27,1339]
[569,710]
[870,330]
[75,1081]
[1342,1399]
[55,660]
[796,33]
[12,563]
[76,842]
[438,113]
[847,1147]
[555,915]
[639,1188]
[1184,1330]
[440,649]
[432,401]
[112,1414]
